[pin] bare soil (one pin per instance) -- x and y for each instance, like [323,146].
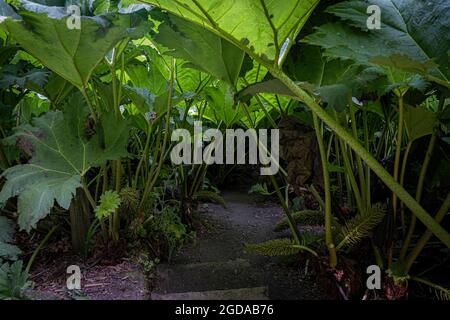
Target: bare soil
[218,261]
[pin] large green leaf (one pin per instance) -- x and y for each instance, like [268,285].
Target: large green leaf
[333,80]
[61,154]
[419,30]
[142,98]
[419,122]
[9,251]
[221,105]
[71,53]
[263,26]
[203,49]
[153,74]
[14,75]
[13,280]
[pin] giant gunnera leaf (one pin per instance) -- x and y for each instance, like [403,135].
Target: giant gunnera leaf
[204,50]
[72,53]
[262,26]
[61,154]
[411,31]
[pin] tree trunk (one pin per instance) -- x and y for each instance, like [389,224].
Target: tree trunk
[79,220]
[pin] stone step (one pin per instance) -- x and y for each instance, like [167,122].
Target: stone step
[257,293]
[208,276]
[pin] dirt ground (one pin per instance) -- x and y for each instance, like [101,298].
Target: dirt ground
[216,261]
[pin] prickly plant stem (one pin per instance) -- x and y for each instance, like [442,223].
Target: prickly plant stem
[365,155]
[398,150]
[153,178]
[367,145]
[41,245]
[419,190]
[327,187]
[317,196]
[88,193]
[427,235]
[421,182]
[351,177]
[144,155]
[88,101]
[362,180]
[402,180]
[291,221]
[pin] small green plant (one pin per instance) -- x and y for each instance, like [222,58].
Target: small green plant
[109,203]
[13,280]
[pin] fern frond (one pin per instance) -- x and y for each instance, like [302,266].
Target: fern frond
[440,292]
[360,226]
[306,217]
[308,238]
[210,196]
[273,248]
[278,247]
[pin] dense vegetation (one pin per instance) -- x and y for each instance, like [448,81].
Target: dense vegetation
[87,116]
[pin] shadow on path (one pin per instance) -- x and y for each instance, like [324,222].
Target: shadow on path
[216,266]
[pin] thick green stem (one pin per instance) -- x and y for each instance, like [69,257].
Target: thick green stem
[327,188]
[419,190]
[263,107]
[91,107]
[427,235]
[302,95]
[144,155]
[317,196]
[402,180]
[118,185]
[359,164]
[398,151]
[87,193]
[153,178]
[365,155]
[367,143]
[351,177]
[40,246]
[291,221]
[114,90]
[339,174]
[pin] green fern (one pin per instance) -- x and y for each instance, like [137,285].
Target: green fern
[277,247]
[440,292]
[282,247]
[360,226]
[305,217]
[210,196]
[109,203]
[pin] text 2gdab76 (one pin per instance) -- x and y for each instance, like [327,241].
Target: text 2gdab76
[231,309]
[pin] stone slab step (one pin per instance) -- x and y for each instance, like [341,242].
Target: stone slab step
[257,293]
[209,276]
